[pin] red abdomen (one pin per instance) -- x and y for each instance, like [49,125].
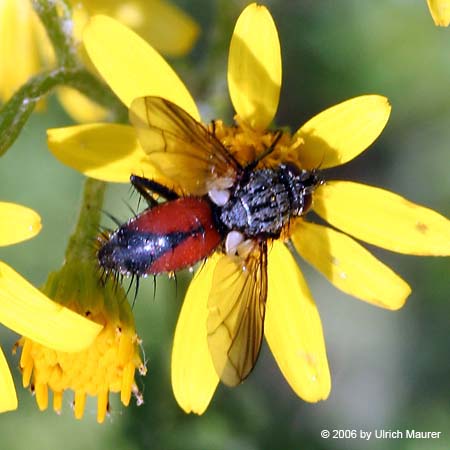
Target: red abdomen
[166,238]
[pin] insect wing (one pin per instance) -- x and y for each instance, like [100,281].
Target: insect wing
[180,147]
[236,314]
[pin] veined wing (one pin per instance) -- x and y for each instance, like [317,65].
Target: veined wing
[181,148]
[236,314]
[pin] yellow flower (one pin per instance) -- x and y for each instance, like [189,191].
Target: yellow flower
[440,11]
[170,30]
[25,49]
[107,365]
[26,310]
[24,45]
[292,325]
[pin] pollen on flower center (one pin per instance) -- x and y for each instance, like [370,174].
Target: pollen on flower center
[246,143]
[108,365]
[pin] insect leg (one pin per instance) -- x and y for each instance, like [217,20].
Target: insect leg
[266,152]
[147,187]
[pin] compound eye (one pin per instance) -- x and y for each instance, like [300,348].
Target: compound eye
[292,168]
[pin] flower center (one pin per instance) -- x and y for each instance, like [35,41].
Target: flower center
[247,144]
[108,365]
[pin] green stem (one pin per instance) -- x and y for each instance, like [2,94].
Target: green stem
[82,240]
[56,17]
[76,284]
[16,111]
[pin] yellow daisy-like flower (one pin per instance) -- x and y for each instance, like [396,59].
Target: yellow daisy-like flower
[170,30]
[25,48]
[292,325]
[440,11]
[107,365]
[26,310]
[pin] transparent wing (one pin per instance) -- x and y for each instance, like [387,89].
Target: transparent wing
[236,314]
[180,147]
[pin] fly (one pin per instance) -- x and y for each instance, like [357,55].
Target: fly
[220,204]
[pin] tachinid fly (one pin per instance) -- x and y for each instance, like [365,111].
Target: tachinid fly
[218,204]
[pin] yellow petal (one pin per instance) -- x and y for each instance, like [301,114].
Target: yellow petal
[254,67]
[17,223]
[79,107]
[383,218]
[27,311]
[166,27]
[194,378]
[163,25]
[349,266]
[440,11]
[293,328]
[342,132]
[108,152]
[8,397]
[132,67]
[23,43]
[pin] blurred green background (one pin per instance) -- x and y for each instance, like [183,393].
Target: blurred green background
[390,370]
